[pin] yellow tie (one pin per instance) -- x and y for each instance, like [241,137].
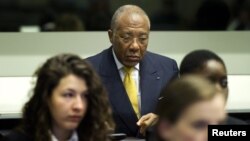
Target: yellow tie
[131,89]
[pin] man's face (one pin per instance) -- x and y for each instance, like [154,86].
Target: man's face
[130,38]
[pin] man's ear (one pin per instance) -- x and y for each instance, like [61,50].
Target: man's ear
[164,129]
[110,32]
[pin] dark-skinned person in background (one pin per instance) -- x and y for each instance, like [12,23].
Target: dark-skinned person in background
[209,65]
[206,64]
[132,75]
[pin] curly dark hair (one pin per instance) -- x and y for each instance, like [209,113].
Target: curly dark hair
[197,59]
[36,115]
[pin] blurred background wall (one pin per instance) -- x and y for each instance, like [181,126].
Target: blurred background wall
[26,51]
[22,53]
[170,15]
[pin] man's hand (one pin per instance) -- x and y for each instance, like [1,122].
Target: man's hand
[146,121]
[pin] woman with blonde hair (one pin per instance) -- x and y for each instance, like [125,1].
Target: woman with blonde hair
[186,108]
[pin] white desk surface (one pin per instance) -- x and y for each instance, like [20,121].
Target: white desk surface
[15,91]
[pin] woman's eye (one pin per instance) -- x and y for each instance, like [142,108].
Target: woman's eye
[68,95]
[200,125]
[84,96]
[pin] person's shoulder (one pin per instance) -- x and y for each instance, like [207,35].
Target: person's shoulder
[95,57]
[96,60]
[160,58]
[99,55]
[16,135]
[235,121]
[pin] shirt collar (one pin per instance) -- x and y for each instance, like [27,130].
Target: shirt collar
[74,137]
[120,65]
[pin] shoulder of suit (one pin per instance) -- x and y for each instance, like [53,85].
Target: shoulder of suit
[95,56]
[158,57]
[98,56]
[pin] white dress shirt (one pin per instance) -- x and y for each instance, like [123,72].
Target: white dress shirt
[135,76]
[74,137]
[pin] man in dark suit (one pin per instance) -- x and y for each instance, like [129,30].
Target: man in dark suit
[132,75]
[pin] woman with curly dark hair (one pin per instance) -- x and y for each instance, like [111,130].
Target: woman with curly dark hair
[69,103]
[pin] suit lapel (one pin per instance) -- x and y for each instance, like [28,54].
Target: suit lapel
[117,93]
[150,83]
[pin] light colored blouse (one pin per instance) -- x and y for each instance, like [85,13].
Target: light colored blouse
[74,137]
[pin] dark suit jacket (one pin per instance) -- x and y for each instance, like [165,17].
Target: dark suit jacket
[17,135]
[155,72]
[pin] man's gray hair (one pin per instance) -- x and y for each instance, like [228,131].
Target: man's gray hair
[129,9]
